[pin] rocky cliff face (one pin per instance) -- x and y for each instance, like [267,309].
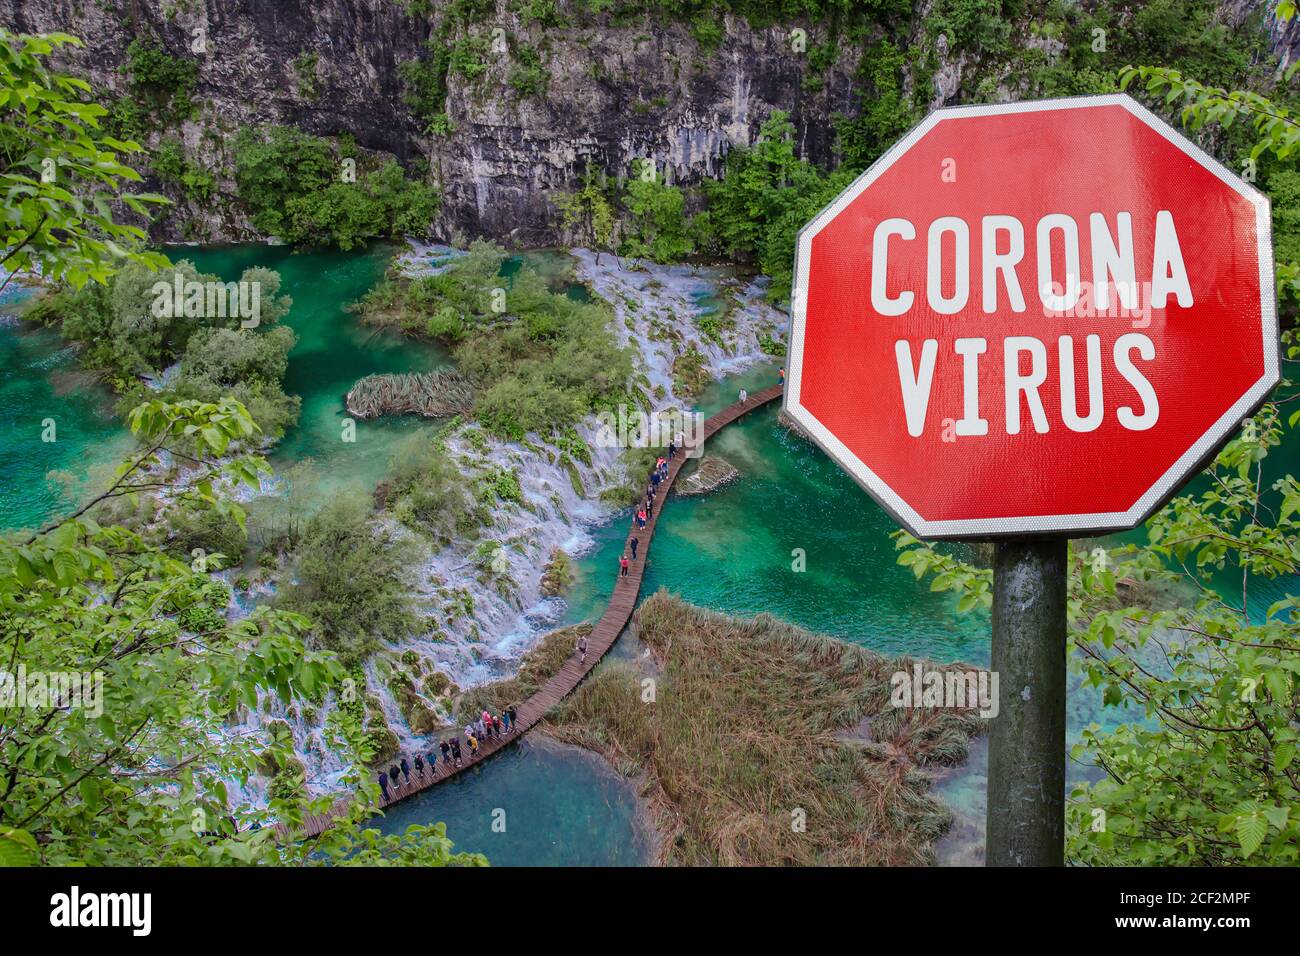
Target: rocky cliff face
[614,91]
[613,95]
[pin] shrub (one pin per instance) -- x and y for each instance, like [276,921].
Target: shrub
[424,83]
[292,183]
[427,491]
[161,85]
[657,225]
[171,166]
[189,527]
[351,581]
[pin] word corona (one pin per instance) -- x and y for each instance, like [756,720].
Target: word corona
[1114,264]
[1114,288]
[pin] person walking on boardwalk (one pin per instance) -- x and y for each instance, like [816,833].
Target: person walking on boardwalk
[632,543]
[455,750]
[446,752]
[640,518]
[780,376]
[393,773]
[433,762]
[419,766]
[582,641]
[496,725]
[473,746]
[406,770]
[672,449]
[513,711]
[505,720]
[744,396]
[649,507]
[622,565]
[383,784]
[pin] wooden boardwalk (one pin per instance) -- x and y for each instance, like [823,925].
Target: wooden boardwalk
[602,637]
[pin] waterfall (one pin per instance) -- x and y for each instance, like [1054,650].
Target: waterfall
[657,310]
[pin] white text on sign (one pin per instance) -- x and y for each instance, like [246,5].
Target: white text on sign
[1114,286]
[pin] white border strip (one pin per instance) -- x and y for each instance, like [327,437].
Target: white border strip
[1167,484]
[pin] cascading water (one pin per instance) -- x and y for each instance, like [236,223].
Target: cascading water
[482,622]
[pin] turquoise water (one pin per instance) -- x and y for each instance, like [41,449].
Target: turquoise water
[564,806]
[553,265]
[735,549]
[42,385]
[334,350]
[537,803]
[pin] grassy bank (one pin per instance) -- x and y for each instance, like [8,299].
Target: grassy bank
[751,728]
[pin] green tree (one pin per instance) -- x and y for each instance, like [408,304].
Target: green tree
[657,225]
[589,212]
[59,173]
[352,581]
[138,771]
[295,187]
[767,194]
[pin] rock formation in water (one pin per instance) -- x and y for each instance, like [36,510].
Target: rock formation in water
[712,472]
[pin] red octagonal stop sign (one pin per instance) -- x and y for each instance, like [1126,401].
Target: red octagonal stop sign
[1033,318]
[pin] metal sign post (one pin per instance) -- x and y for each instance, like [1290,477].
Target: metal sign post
[1026,789]
[1028,322]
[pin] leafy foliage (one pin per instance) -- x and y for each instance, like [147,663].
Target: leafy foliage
[765,197]
[351,581]
[539,360]
[162,85]
[138,773]
[657,227]
[589,212]
[427,492]
[59,173]
[296,188]
[123,334]
[171,165]
[425,83]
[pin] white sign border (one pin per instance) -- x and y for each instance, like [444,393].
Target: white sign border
[1080,524]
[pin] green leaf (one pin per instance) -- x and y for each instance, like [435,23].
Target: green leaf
[1283,754]
[1251,828]
[17,848]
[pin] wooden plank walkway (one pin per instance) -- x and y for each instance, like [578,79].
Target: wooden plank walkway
[606,631]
